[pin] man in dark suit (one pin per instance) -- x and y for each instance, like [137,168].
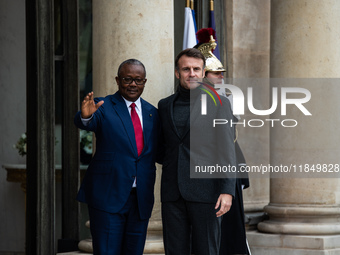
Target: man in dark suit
[119,182]
[192,207]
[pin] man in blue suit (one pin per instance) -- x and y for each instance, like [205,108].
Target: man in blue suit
[119,182]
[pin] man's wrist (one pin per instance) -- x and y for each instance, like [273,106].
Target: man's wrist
[86,121]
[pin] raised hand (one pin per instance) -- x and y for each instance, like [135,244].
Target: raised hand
[88,106]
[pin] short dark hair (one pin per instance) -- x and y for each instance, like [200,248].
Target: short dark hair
[131,61]
[190,52]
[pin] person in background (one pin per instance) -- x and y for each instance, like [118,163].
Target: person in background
[233,234]
[118,186]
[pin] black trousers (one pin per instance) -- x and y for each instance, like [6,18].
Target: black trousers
[186,223]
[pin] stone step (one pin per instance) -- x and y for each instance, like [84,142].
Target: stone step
[154,243]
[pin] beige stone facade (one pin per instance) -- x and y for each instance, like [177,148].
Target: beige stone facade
[263,40]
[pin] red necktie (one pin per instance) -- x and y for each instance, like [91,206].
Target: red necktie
[138,129]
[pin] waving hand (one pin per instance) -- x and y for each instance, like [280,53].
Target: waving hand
[88,106]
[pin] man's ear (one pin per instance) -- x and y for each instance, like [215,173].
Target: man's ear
[117,80]
[177,74]
[203,72]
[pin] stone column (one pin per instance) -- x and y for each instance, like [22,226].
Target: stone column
[133,29]
[248,42]
[142,30]
[304,212]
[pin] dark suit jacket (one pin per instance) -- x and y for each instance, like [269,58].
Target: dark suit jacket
[111,173]
[216,147]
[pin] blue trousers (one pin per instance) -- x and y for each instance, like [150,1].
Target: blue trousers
[121,233]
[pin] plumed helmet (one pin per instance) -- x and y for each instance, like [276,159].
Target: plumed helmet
[207,44]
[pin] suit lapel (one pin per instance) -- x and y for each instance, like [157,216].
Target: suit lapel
[170,113]
[119,106]
[147,123]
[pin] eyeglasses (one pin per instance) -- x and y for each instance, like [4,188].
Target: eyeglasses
[138,81]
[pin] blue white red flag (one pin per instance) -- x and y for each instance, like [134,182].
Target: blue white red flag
[189,36]
[194,19]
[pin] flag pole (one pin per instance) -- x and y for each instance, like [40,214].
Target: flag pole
[187,3]
[211,5]
[193,15]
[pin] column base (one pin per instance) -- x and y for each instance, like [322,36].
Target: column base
[268,244]
[298,220]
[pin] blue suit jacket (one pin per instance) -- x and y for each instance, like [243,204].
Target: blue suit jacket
[111,173]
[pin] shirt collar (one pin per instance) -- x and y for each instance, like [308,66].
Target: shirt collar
[137,103]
